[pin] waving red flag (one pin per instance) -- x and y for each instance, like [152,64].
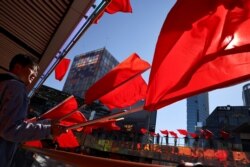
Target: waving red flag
[193,135]
[116,6]
[67,140]
[173,134]
[165,132]
[152,133]
[123,72]
[203,45]
[182,132]
[61,68]
[126,94]
[64,108]
[34,143]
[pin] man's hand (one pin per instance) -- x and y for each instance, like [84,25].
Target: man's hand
[56,129]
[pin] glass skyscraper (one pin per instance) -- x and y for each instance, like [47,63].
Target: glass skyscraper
[246,95]
[197,111]
[86,69]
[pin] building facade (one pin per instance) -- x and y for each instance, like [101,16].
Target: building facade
[246,95]
[197,111]
[86,69]
[234,120]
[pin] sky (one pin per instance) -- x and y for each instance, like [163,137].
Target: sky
[125,33]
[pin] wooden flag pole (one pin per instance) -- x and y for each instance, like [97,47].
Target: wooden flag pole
[120,114]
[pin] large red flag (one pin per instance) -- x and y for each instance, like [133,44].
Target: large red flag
[203,45]
[62,109]
[126,94]
[116,6]
[119,75]
[61,68]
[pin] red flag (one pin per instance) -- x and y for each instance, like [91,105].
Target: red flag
[173,134]
[34,143]
[182,132]
[126,94]
[144,131]
[152,133]
[67,140]
[200,48]
[64,108]
[119,75]
[116,6]
[165,132]
[193,135]
[61,68]
[208,134]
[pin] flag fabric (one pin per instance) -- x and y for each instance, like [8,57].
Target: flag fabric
[123,72]
[152,133]
[116,6]
[193,135]
[61,68]
[62,109]
[207,134]
[172,133]
[165,132]
[144,131]
[33,143]
[126,94]
[67,140]
[182,132]
[202,46]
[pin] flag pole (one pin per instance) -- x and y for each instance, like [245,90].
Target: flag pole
[105,118]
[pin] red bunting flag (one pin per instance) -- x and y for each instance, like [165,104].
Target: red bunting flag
[123,72]
[61,68]
[34,143]
[202,46]
[126,94]
[182,132]
[116,6]
[144,131]
[193,135]
[173,134]
[165,132]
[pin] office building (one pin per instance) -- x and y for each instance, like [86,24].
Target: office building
[86,69]
[246,95]
[197,111]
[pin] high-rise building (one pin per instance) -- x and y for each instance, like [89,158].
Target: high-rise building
[86,69]
[197,111]
[246,95]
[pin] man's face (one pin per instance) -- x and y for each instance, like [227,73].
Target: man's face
[28,74]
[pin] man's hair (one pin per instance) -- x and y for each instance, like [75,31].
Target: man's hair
[24,60]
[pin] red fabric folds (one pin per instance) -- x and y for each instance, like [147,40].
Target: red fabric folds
[116,6]
[62,109]
[203,45]
[172,133]
[67,140]
[224,135]
[183,132]
[34,143]
[126,94]
[165,132]
[61,68]
[193,135]
[144,131]
[123,72]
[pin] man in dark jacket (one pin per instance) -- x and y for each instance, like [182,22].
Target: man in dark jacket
[14,106]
